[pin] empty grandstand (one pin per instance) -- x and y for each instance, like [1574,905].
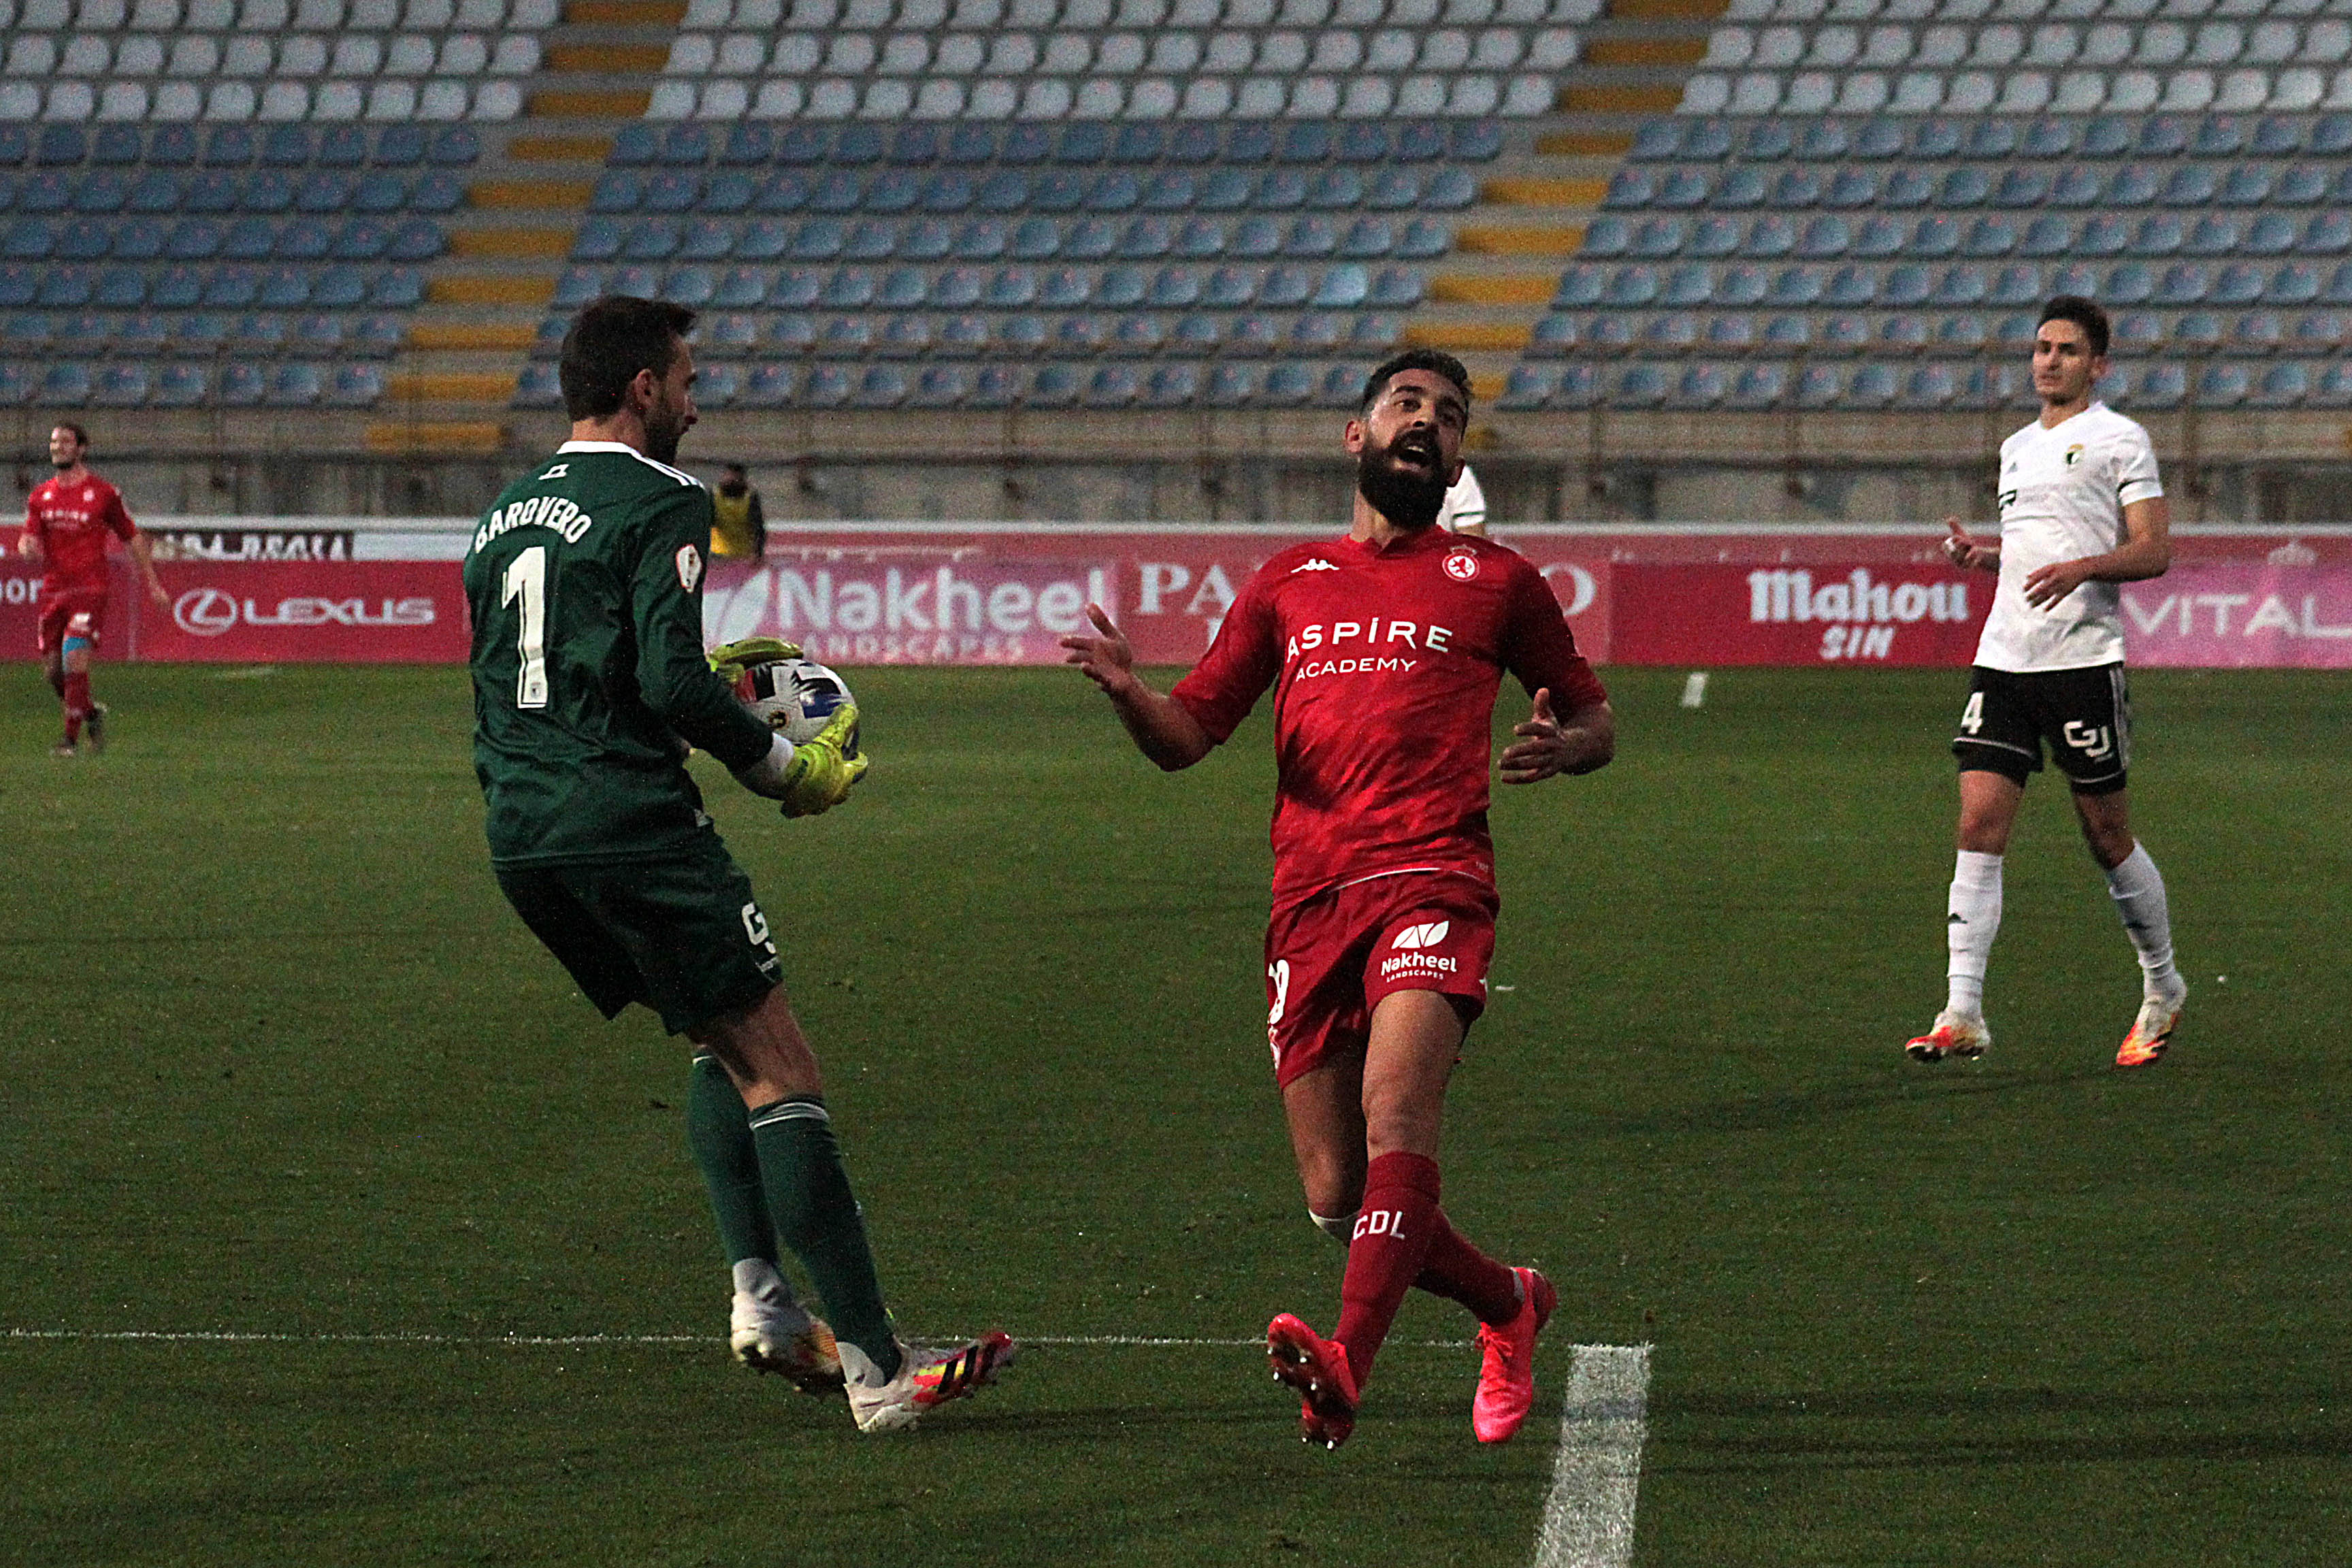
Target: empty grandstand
[1787,238]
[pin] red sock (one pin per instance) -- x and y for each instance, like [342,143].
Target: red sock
[1393,1230]
[77,695]
[1460,1273]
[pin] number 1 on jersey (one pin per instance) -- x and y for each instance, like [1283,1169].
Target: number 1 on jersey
[526,579]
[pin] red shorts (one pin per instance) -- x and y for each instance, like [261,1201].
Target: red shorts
[1330,959]
[78,613]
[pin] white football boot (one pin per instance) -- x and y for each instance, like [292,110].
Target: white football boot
[771,1332]
[927,1379]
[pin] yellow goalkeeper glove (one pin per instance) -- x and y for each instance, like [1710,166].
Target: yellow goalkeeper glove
[823,769]
[730,660]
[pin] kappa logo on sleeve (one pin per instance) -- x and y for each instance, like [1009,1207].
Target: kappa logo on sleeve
[689,567]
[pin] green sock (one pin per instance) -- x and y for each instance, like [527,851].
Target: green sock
[816,1214]
[719,1131]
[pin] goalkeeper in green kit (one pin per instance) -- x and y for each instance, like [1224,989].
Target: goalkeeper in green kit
[590,687]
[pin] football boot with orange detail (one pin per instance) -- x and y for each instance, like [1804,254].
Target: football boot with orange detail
[1953,1035]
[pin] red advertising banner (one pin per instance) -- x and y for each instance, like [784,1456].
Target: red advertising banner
[1797,614]
[1004,594]
[333,611]
[986,597]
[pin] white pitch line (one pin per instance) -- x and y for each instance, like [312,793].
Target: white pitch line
[1588,1520]
[199,1336]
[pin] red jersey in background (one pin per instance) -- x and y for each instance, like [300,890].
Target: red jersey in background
[71,518]
[1385,663]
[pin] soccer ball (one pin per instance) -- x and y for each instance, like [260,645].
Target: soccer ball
[793,697]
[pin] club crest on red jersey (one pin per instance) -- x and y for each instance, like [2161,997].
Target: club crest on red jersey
[1460,565]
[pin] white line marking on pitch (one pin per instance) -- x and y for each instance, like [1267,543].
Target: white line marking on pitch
[1588,1520]
[154,1336]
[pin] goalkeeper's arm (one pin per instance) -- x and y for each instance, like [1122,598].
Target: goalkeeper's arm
[808,778]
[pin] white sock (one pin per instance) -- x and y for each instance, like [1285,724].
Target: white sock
[2137,888]
[1973,920]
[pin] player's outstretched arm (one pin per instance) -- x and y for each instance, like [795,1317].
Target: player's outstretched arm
[1969,554]
[1164,729]
[1548,745]
[142,555]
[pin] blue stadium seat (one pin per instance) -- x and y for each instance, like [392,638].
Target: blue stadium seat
[179,385]
[1308,238]
[1287,384]
[2223,385]
[397,288]
[1280,189]
[649,239]
[1376,334]
[398,146]
[825,386]
[537,387]
[769,386]
[1736,285]
[205,331]
[1639,385]
[1232,386]
[1089,239]
[376,336]
[1727,333]
[84,333]
[1015,289]
[1196,332]
[144,332]
[1769,237]
[1675,331]
[939,386]
[1797,286]
[1449,189]
[2332,135]
[2182,284]
[242,384]
[1825,236]
[870,239]
[1525,387]
[2328,234]
[296,384]
[454,147]
[548,340]
[1689,285]
[1908,285]
[2294,284]
[1124,287]
[904,337]
[1112,386]
[956,288]
[1229,287]
[718,385]
[1174,288]
[2197,332]
[791,333]
[1145,238]
[1171,386]
[2283,386]
[1851,286]
[1050,387]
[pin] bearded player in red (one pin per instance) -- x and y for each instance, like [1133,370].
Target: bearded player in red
[1385,650]
[66,521]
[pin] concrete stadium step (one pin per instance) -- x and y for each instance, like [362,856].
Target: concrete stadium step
[1520,190]
[450,386]
[537,148]
[1508,289]
[427,437]
[1494,239]
[475,288]
[624,13]
[590,103]
[537,244]
[1671,51]
[486,337]
[1473,336]
[533,196]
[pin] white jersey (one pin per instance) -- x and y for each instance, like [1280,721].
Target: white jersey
[1464,506]
[2062,494]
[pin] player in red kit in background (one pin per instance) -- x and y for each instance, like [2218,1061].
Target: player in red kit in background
[67,520]
[1385,650]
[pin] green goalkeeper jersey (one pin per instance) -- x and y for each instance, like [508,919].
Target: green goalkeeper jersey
[585,584]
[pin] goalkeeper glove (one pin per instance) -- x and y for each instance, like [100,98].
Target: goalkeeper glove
[730,660]
[823,768]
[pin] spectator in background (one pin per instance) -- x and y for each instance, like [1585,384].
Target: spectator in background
[1465,508]
[739,525]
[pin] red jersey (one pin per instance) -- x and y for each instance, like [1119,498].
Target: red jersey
[1385,664]
[71,519]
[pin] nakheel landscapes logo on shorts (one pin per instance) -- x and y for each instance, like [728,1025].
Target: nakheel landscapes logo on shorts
[1407,954]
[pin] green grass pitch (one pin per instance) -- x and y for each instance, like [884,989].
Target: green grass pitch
[277,1060]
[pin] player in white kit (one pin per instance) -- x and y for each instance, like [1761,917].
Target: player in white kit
[2081,512]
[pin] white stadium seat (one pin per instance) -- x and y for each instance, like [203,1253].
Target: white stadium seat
[1758,92]
[338,100]
[141,54]
[777,100]
[442,99]
[2187,92]
[1971,92]
[1862,92]
[2133,91]
[410,54]
[2108,44]
[1729,49]
[1705,93]
[230,100]
[70,100]
[285,101]
[498,100]
[1887,47]
[1207,98]
[2079,92]
[2025,92]
[392,100]
[1919,92]
[125,101]
[177,100]
[19,100]
[2299,87]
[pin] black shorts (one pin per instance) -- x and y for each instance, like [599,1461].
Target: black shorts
[2084,714]
[681,934]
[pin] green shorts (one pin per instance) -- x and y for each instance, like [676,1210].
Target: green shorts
[681,934]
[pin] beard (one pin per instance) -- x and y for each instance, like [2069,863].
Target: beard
[1408,499]
[665,427]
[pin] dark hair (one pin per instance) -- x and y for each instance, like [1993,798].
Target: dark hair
[81,437]
[2083,313]
[1437,360]
[735,469]
[608,342]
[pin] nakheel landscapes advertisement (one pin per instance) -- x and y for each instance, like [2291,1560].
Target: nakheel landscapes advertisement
[1004,594]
